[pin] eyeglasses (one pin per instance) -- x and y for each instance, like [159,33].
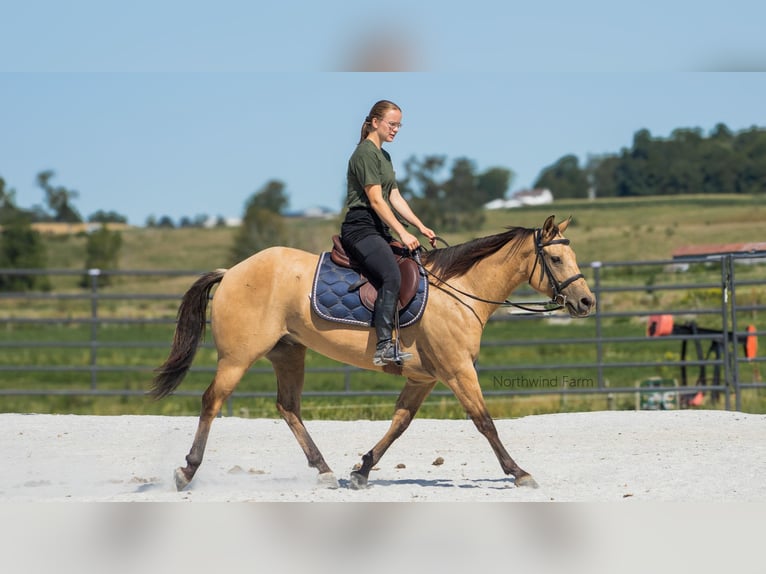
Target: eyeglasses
[393,125]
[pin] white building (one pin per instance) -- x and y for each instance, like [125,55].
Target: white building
[522,197]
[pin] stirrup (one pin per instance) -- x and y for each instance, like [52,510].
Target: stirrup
[389,354]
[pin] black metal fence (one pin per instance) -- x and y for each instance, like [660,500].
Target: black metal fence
[642,305]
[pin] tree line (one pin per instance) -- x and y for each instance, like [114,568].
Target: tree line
[452,197]
[449,195]
[686,162]
[59,205]
[22,247]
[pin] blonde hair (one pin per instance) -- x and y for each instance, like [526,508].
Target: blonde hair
[378,110]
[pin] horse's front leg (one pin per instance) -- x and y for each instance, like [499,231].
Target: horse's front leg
[412,396]
[465,385]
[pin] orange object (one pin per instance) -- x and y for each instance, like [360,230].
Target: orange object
[698,400]
[751,343]
[659,325]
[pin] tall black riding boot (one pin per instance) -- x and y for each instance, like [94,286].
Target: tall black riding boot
[385,350]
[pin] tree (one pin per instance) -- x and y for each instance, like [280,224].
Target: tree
[463,207]
[421,189]
[686,162]
[166,221]
[494,183]
[102,216]
[8,210]
[457,202]
[263,224]
[564,178]
[59,199]
[721,133]
[7,196]
[271,197]
[102,252]
[21,247]
[600,173]
[750,149]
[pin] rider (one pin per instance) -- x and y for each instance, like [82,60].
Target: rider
[373,196]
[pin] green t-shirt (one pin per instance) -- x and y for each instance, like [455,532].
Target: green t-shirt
[368,165]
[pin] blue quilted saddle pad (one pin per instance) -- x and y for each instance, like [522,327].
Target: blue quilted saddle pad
[331,299]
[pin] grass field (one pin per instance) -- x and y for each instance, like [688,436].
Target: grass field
[605,230]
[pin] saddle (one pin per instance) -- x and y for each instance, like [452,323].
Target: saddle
[408,268]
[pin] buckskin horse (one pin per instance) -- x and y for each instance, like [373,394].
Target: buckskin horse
[261,308]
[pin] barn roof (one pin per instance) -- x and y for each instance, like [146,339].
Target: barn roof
[710,250]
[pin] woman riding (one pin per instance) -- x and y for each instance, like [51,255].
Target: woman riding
[373,196]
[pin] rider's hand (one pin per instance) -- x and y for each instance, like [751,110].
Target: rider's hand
[410,241]
[430,234]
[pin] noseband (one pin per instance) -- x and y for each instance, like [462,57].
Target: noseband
[558,296]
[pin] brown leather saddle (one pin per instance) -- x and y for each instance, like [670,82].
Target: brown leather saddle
[408,268]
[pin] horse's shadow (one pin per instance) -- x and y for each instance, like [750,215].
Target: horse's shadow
[495,483]
[486,483]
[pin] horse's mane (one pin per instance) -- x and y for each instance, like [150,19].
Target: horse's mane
[453,261]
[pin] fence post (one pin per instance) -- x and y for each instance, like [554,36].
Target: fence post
[347,379]
[94,274]
[732,356]
[596,266]
[725,282]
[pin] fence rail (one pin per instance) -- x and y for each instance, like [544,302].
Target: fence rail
[621,288]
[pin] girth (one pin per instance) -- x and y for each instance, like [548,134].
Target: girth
[408,269]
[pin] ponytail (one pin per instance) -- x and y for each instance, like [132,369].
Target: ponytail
[366,129]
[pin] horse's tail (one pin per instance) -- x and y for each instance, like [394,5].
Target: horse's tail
[190,329]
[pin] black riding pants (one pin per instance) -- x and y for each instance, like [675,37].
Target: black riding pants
[374,254]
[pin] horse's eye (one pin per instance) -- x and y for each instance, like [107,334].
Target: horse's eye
[555,259]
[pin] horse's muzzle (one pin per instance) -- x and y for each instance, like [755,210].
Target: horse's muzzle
[581,306]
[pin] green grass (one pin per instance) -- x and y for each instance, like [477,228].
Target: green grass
[645,228]
[605,230]
[500,367]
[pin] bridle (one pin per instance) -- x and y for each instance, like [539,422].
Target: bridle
[558,295]
[559,298]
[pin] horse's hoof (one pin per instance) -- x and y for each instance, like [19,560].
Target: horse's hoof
[527,481]
[357,481]
[327,480]
[180,479]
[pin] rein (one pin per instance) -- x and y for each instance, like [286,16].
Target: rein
[559,298]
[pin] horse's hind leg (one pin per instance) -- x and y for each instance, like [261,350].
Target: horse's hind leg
[412,396]
[288,360]
[226,378]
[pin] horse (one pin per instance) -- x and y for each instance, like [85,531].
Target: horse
[261,308]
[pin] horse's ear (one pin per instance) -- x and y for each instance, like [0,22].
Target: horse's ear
[564,224]
[549,228]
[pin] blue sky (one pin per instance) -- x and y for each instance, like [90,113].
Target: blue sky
[181,109]
[290,35]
